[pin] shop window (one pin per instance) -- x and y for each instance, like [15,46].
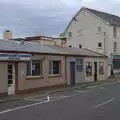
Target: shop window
[89,68]
[79,65]
[54,67]
[101,68]
[34,68]
[116,63]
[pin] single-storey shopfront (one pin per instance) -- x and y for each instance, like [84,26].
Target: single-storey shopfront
[26,66]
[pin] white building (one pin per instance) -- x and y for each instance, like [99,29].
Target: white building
[95,30]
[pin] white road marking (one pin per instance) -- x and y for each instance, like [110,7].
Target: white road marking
[22,107]
[81,91]
[35,104]
[102,88]
[103,103]
[91,86]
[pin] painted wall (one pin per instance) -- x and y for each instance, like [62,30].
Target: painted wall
[52,42]
[3,77]
[85,32]
[28,82]
[99,76]
[79,76]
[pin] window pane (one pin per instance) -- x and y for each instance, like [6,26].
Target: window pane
[28,68]
[35,68]
[101,67]
[54,67]
[89,69]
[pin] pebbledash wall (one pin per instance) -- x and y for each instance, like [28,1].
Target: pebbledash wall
[81,75]
[100,76]
[25,83]
[45,79]
[3,78]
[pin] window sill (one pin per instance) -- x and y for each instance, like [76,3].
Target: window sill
[54,75]
[101,73]
[34,77]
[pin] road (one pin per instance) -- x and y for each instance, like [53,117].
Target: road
[93,103]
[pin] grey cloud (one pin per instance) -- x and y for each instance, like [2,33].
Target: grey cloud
[43,17]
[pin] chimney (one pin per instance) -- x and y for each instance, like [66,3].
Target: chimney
[7,35]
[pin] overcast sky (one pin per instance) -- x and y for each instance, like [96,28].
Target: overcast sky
[45,17]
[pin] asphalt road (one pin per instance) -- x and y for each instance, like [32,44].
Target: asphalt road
[95,103]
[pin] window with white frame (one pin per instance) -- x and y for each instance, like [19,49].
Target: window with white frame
[115,46]
[79,65]
[101,67]
[115,31]
[70,34]
[89,68]
[99,29]
[54,67]
[34,68]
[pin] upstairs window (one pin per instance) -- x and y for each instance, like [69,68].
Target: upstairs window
[115,31]
[115,46]
[99,29]
[99,44]
[80,46]
[70,34]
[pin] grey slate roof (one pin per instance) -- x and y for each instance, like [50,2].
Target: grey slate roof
[30,47]
[112,19]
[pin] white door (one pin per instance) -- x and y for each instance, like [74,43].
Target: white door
[11,78]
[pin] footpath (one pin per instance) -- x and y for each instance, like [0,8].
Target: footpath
[82,86]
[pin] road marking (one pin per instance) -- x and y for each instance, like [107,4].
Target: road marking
[91,86]
[34,104]
[103,103]
[81,91]
[22,107]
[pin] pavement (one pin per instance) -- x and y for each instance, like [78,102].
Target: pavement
[93,102]
[50,91]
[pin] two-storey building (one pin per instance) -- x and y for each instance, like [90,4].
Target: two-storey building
[98,31]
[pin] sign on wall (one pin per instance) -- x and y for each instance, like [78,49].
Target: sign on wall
[13,56]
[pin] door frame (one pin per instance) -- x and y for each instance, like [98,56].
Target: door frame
[12,85]
[95,71]
[72,80]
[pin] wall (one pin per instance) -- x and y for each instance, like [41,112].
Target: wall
[52,42]
[3,77]
[79,76]
[99,77]
[89,36]
[27,82]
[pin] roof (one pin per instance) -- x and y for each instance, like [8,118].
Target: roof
[35,48]
[110,18]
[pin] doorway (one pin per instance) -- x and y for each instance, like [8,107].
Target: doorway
[72,73]
[95,71]
[11,78]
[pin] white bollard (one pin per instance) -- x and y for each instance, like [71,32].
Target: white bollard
[48,98]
